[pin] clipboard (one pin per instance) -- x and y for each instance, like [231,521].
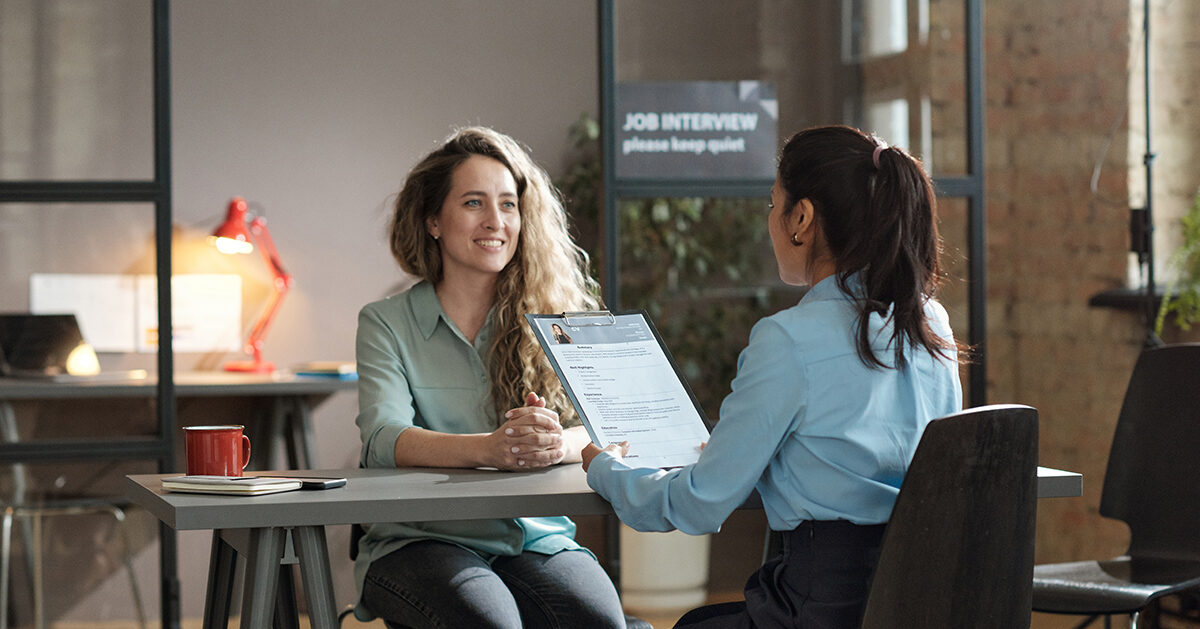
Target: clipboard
[624,384]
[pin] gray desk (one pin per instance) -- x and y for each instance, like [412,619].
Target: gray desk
[258,526]
[1054,483]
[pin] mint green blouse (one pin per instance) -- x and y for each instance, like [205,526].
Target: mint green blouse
[415,368]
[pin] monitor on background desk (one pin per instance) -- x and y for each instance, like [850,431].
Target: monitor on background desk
[51,347]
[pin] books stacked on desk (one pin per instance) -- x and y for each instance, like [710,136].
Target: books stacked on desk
[230,485]
[327,369]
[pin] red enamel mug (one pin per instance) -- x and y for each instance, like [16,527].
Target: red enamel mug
[216,450]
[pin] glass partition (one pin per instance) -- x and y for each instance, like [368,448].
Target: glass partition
[60,238]
[96,261]
[895,67]
[908,70]
[85,197]
[76,90]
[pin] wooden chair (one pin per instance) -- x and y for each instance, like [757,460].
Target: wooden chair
[1152,485]
[958,550]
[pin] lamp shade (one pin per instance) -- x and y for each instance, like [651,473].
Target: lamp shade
[233,236]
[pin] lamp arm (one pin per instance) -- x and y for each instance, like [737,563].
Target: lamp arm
[281,282]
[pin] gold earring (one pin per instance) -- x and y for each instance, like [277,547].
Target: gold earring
[795,241]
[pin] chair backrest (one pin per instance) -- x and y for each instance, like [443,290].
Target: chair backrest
[958,551]
[1153,477]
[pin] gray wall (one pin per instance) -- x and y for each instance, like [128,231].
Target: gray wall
[315,110]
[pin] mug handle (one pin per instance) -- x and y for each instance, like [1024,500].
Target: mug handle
[245,451]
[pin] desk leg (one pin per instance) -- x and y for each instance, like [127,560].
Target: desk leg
[612,549]
[222,566]
[5,561]
[262,576]
[300,435]
[289,423]
[278,434]
[313,553]
[286,614]
[30,524]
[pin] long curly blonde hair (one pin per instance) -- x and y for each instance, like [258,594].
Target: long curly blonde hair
[548,272]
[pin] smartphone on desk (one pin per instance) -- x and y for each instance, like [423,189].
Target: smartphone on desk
[313,482]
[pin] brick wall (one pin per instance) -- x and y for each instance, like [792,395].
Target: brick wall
[1060,77]
[1056,86]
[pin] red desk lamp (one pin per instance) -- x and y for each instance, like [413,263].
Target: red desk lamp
[241,233]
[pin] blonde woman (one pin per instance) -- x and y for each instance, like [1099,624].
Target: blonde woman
[450,376]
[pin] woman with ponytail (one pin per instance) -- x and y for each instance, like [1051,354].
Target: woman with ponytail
[831,395]
[451,376]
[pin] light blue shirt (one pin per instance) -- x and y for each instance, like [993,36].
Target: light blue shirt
[821,435]
[415,368]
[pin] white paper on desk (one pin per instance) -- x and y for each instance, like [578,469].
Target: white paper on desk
[623,384]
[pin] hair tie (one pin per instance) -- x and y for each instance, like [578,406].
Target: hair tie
[879,148]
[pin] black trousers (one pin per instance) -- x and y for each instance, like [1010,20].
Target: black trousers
[819,581]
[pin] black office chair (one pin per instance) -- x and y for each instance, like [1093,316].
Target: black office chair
[1153,485]
[958,550]
[357,531]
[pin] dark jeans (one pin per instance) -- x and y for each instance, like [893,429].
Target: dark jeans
[435,584]
[819,581]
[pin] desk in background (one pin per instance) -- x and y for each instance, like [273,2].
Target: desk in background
[281,415]
[258,527]
[287,418]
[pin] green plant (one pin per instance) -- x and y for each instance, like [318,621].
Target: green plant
[1182,297]
[580,185]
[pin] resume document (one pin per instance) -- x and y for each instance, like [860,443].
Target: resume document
[624,385]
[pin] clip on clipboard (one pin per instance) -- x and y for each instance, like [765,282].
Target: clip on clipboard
[581,318]
[622,381]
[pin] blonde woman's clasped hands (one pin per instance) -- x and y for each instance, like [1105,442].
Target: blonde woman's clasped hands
[530,437]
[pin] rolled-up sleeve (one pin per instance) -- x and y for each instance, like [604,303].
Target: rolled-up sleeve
[384,400]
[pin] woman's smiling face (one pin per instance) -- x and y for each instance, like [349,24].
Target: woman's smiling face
[480,220]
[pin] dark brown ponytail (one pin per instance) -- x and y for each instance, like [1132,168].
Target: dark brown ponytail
[876,209]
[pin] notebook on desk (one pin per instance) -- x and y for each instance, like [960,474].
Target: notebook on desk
[50,347]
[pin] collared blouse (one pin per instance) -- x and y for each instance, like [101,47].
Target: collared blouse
[415,368]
